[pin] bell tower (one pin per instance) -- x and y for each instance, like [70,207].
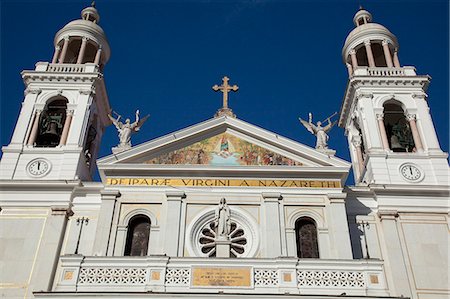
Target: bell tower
[385,112]
[64,112]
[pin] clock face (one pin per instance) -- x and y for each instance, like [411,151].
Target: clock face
[38,167]
[410,172]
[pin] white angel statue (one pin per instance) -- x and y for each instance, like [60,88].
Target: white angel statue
[319,131]
[126,129]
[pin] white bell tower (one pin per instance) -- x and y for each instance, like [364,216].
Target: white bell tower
[385,113]
[64,113]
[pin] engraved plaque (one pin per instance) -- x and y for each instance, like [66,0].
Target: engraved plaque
[222,277]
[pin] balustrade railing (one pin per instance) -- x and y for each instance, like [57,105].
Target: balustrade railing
[384,71]
[276,276]
[66,67]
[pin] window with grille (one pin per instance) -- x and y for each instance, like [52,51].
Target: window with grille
[138,236]
[306,235]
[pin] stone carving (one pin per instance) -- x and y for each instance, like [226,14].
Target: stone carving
[112,276]
[222,220]
[125,130]
[319,131]
[266,278]
[330,279]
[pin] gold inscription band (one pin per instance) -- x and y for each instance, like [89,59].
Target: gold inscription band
[221,183]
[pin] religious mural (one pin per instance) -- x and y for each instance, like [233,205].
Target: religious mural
[223,150]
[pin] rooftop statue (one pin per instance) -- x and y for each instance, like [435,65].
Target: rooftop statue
[126,129]
[319,131]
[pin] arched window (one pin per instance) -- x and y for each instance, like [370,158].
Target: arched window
[137,236]
[51,123]
[397,128]
[306,235]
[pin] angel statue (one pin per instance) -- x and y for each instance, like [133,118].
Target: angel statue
[126,129]
[319,131]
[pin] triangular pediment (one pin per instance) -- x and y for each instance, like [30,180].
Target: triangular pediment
[222,142]
[224,149]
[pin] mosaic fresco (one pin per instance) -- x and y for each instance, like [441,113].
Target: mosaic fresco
[223,150]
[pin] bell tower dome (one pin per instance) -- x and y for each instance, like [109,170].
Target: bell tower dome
[64,112]
[369,44]
[385,112]
[82,41]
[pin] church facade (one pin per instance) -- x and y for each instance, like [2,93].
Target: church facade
[223,208]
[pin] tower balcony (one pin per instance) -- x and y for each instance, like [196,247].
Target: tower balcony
[66,67]
[385,71]
[162,274]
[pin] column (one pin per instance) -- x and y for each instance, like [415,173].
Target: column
[393,254]
[387,53]
[49,251]
[64,50]
[384,139]
[56,54]
[174,200]
[369,53]
[396,61]
[415,133]
[272,238]
[82,50]
[98,56]
[35,128]
[349,69]
[65,132]
[105,219]
[357,144]
[354,60]
[341,236]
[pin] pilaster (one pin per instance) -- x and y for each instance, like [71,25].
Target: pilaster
[272,229]
[393,254]
[105,221]
[47,258]
[174,201]
[338,216]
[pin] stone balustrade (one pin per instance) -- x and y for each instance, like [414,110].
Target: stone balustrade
[66,68]
[385,71]
[78,273]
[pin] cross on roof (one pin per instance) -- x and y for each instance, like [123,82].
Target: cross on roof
[225,88]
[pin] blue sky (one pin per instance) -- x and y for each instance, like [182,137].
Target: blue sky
[284,55]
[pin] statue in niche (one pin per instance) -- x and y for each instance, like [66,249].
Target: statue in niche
[126,129]
[319,131]
[222,220]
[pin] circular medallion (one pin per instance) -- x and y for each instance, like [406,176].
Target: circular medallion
[38,167]
[411,172]
[201,234]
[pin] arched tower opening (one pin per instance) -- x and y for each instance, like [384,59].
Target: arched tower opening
[51,123]
[397,128]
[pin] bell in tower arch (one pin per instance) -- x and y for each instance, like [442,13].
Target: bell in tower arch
[51,123]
